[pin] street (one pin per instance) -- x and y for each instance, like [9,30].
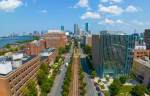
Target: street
[58,82]
[57,87]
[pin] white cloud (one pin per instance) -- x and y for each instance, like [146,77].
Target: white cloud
[112,1]
[82,4]
[90,15]
[113,9]
[109,21]
[104,1]
[131,8]
[44,11]
[10,5]
[119,21]
[116,1]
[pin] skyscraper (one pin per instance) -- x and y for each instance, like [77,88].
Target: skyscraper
[76,29]
[112,54]
[147,38]
[86,27]
[62,28]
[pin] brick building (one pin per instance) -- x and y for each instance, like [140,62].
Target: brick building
[12,80]
[35,47]
[140,49]
[55,39]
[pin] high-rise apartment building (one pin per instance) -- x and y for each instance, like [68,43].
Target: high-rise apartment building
[147,38]
[112,54]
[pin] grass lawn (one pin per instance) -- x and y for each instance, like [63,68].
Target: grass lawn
[125,90]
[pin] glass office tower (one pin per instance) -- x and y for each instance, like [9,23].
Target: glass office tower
[112,54]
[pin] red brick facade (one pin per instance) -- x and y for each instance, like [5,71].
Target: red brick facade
[35,47]
[141,53]
[12,83]
[51,40]
[55,39]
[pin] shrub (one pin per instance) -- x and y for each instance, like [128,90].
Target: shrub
[123,79]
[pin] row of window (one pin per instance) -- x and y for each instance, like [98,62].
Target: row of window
[20,75]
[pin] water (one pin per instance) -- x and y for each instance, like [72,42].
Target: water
[12,40]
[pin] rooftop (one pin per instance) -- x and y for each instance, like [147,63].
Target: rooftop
[57,31]
[9,64]
[47,52]
[144,61]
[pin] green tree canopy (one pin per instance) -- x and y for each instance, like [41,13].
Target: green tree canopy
[41,76]
[93,74]
[88,49]
[30,89]
[123,79]
[114,87]
[138,90]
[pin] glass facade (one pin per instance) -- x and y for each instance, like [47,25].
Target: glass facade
[114,54]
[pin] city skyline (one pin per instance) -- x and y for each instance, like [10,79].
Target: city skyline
[20,16]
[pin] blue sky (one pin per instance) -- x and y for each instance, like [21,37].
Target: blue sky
[20,16]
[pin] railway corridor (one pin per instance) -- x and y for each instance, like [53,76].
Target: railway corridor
[74,88]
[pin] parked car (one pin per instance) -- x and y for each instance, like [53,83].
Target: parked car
[66,64]
[100,94]
[97,88]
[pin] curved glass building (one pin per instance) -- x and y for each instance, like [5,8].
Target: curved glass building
[112,54]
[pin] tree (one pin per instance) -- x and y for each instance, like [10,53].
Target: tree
[107,78]
[61,50]
[123,79]
[41,76]
[25,91]
[99,80]
[132,75]
[67,47]
[36,38]
[7,46]
[114,87]
[87,49]
[138,90]
[57,58]
[93,74]
[44,67]
[43,94]
[32,87]
[45,87]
